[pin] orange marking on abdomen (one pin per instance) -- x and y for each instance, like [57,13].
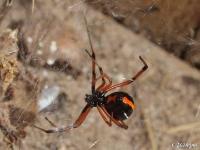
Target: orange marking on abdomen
[129,102]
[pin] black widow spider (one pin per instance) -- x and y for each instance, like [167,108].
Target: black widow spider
[114,107]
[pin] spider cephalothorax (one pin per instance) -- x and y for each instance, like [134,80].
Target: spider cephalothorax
[95,99]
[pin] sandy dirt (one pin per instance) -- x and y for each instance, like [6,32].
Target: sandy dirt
[167,95]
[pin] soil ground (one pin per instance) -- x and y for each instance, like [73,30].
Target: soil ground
[167,95]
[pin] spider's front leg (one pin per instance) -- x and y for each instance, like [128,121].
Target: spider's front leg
[102,76]
[93,57]
[135,77]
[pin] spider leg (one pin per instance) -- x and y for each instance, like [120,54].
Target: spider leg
[50,122]
[93,76]
[104,116]
[102,88]
[102,85]
[77,123]
[103,81]
[126,82]
[94,62]
[120,123]
[82,116]
[55,129]
[44,130]
[93,57]
[103,76]
[117,122]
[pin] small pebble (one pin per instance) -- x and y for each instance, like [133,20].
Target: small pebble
[120,77]
[53,46]
[50,61]
[41,44]
[29,40]
[39,52]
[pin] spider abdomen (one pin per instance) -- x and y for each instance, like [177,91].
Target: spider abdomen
[119,105]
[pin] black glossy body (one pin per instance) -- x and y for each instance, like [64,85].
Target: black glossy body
[113,103]
[116,107]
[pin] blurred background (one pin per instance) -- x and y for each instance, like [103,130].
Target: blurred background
[52,73]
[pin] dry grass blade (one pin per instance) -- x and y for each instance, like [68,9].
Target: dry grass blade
[150,132]
[33,6]
[183,128]
[93,144]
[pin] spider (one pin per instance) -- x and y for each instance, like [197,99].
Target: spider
[115,107]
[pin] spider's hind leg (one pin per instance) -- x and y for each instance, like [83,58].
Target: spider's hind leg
[104,116]
[119,123]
